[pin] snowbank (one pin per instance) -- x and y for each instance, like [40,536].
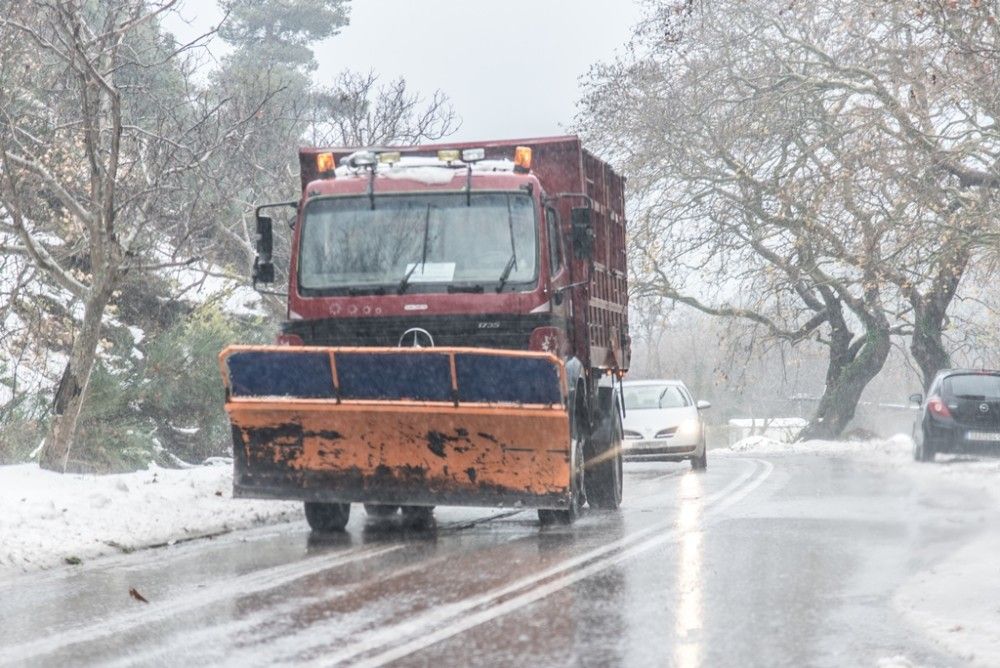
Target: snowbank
[955,602]
[899,446]
[48,519]
[778,429]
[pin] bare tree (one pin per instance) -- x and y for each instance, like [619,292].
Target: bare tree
[359,111]
[98,132]
[795,169]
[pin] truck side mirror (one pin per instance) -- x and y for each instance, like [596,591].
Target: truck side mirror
[583,233]
[263,269]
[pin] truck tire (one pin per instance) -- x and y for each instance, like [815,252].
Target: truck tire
[327,517]
[547,516]
[418,517]
[604,463]
[380,511]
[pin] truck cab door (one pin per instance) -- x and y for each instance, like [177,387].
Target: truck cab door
[559,276]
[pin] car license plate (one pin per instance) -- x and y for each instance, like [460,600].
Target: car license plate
[642,445]
[982,436]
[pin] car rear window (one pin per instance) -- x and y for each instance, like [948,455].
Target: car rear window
[974,386]
[654,396]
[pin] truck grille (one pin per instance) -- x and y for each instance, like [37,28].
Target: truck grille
[475,331]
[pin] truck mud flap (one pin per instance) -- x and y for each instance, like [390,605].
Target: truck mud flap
[411,426]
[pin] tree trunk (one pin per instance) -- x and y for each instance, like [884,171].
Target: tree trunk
[849,373]
[930,311]
[72,390]
[927,346]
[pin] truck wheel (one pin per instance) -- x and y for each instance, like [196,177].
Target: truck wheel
[327,517]
[418,517]
[380,511]
[604,468]
[547,516]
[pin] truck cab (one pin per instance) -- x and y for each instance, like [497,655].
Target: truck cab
[415,251]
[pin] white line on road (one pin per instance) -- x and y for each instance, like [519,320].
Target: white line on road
[448,620]
[230,588]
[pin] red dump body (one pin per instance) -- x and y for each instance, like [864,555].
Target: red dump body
[578,309]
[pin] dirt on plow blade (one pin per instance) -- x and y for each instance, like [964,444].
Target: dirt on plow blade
[408,426]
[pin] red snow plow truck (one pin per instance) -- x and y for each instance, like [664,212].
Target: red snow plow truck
[457,323]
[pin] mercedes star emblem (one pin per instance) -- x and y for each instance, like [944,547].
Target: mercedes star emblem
[984,408]
[416,338]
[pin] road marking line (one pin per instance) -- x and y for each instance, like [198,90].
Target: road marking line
[275,646]
[532,595]
[434,618]
[240,585]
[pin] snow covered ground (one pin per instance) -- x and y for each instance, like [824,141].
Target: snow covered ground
[896,447]
[49,519]
[957,601]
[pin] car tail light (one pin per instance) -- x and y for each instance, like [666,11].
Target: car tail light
[938,407]
[290,340]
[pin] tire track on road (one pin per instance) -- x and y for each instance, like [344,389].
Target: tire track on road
[232,587]
[443,622]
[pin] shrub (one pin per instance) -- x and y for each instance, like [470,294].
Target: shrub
[166,405]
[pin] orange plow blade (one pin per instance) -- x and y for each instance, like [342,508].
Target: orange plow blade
[438,426]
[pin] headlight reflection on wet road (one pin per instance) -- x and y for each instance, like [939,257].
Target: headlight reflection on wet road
[687,630]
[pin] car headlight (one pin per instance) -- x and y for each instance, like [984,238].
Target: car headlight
[689,427]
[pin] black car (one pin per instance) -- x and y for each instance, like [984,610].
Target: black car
[961,415]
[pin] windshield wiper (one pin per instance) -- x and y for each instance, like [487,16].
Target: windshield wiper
[405,282]
[512,262]
[506,272]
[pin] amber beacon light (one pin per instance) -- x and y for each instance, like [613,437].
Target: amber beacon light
[324,163]
[522,159]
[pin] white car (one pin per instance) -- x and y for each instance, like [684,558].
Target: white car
[662,421]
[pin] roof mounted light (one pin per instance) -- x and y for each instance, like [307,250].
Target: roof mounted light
[359,159]
[522,159]
[324,164]
[449,154]
[473,154]
[390,157]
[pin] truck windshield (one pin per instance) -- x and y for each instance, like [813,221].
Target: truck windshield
[427,241]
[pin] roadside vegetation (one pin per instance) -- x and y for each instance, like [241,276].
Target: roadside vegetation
[130,161]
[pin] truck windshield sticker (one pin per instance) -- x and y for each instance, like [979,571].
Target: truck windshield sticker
[432,272]
[426,238]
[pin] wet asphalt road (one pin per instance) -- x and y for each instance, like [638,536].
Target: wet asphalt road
[787,560]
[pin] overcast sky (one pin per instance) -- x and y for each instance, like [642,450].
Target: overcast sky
[510,67]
